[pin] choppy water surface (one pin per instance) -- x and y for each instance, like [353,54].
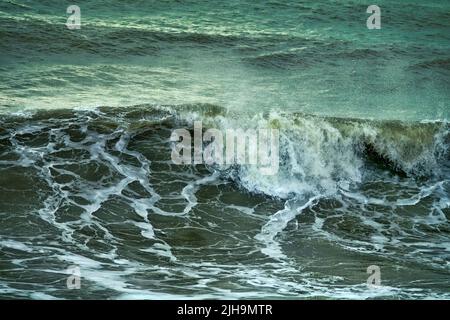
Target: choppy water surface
[98,189]
[364,172]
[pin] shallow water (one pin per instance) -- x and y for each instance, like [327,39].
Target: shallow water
[364,171]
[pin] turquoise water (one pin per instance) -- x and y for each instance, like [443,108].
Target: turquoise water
[87,178]
[299,56]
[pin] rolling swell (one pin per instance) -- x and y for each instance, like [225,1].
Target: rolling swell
[316,153]
[99,189]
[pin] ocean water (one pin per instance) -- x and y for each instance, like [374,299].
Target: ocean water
[87,181]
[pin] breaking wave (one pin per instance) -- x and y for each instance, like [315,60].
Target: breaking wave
[102,184]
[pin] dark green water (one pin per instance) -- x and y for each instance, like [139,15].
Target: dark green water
[364,171]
